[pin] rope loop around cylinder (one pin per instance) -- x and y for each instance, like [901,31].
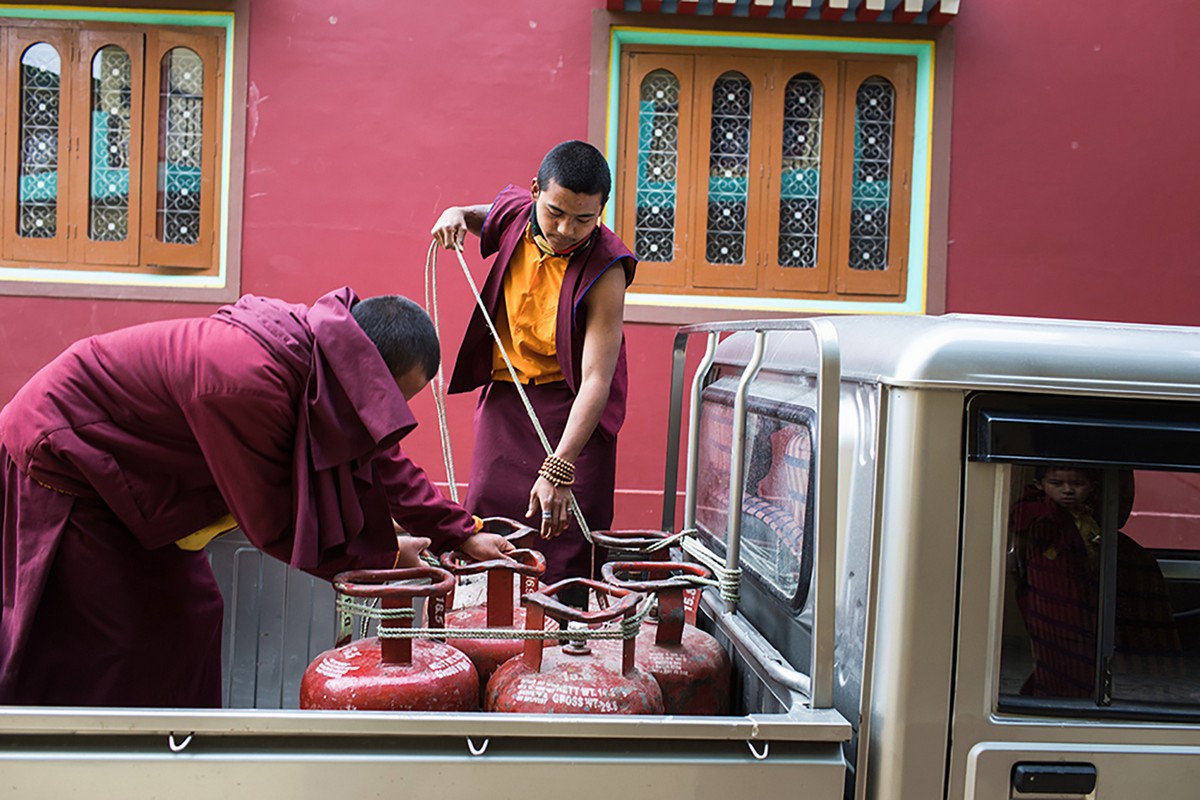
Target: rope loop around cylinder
[627,628]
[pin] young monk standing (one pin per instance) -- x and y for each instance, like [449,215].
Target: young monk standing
[556,291]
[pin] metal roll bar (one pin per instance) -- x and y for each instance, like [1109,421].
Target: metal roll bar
[826,478]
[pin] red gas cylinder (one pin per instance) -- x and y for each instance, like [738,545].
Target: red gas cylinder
[573,679]
[691,667]
[499,612]
[386,673]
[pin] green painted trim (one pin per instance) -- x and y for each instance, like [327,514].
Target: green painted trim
[208,19]
[769,41]
[611,142]
[195,19]
[776,304]
[226,158]
[90,278]
[918,232]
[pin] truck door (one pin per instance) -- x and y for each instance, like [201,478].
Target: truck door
[1077,672]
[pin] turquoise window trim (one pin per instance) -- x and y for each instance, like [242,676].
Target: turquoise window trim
[201,19]
[918,235]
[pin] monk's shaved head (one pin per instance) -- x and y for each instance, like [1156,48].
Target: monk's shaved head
[403,333]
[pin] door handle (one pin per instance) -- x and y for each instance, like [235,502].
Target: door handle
[1053,778]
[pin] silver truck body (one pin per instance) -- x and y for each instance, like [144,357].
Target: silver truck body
[878,652]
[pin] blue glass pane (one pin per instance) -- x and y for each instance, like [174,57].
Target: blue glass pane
[37,168]
[728,169]
[657,167]
[870,192]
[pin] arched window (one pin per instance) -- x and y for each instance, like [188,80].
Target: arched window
[657,167]
[111,138]
[870,196]
[766,173]
[38,164]
[111,162]
[800,172]
[180,146]
[729,169]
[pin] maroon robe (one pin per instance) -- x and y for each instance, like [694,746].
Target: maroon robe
[284,416]
[1057,591]
[507,452]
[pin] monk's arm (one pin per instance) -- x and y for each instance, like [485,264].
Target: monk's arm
[601,346]
[420,508]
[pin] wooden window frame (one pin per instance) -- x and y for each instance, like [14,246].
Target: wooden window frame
[17,248]
[934,48]
[139,267]
[84,250]
[768,72]
[159,254]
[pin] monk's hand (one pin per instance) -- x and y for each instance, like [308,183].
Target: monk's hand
[486,547]
[451,228]
[551,504]
[410,548]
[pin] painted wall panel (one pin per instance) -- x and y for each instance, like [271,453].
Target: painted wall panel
[1071,184]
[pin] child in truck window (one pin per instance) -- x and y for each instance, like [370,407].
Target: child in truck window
[1056,540]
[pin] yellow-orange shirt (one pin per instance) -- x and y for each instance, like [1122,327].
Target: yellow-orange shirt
[527,328]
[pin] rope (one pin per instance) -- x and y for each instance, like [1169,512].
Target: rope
[439,388]
[729,581]
[439,381]
[627,628]
[573,635]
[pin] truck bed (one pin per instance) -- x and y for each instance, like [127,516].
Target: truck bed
[774,741]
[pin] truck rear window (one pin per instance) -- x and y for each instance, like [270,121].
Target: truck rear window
[777,490]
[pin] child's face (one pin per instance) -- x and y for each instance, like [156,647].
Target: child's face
[1069,488]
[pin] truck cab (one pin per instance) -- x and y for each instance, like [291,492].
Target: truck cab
[987,641]
[957,558]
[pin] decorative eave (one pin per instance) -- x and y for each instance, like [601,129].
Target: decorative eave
[921,12]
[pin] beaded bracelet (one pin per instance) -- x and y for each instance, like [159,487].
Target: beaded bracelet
[557,471]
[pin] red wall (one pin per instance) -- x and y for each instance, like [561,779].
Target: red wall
[1073,180]
[1072,133]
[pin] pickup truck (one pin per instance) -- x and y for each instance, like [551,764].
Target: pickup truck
[964,561]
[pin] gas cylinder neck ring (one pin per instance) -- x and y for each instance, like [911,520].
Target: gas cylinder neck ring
[576,649]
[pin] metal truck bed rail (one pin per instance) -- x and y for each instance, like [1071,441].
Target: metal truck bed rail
[828,372]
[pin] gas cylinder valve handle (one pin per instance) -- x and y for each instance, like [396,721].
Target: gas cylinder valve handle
[522,562]
[668,589]
[540,604]
[667,568]
[375,583]
[379,582]
[510,529]
[529,564]
[631,541]
[627,602]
